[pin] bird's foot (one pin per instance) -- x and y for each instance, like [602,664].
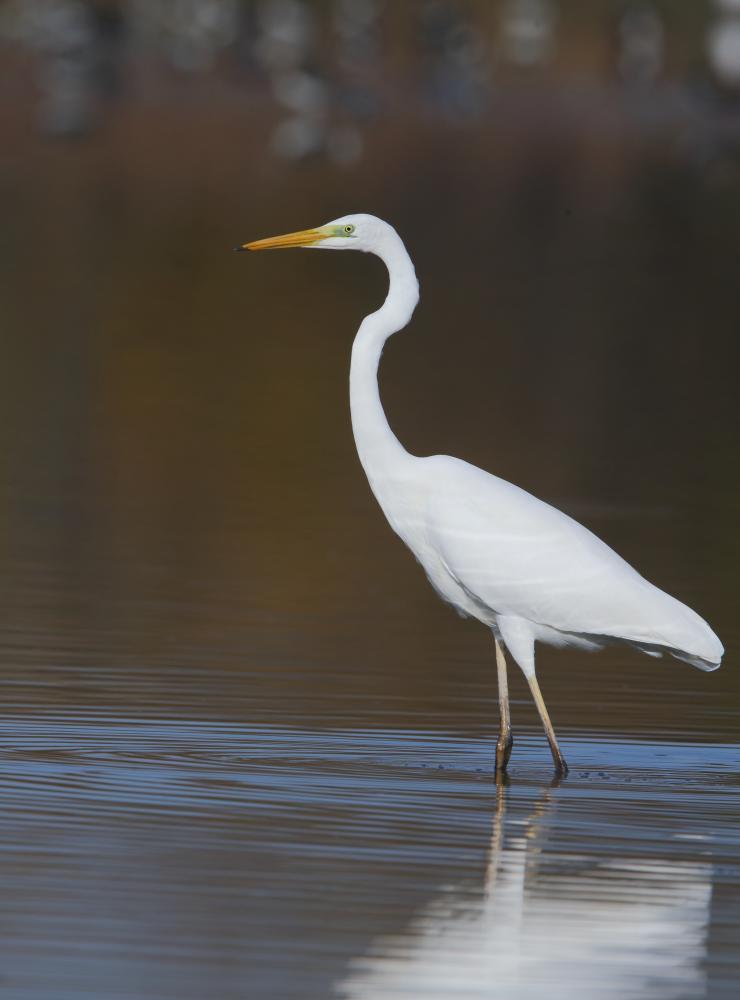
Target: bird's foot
[561,768]
[503,751]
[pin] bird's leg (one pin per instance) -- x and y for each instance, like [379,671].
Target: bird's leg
[505,740]
[560,766]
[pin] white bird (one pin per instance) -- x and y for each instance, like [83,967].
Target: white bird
[498,554]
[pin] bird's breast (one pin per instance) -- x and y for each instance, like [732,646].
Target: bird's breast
[404,505]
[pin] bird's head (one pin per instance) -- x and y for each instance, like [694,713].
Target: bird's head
[351,232]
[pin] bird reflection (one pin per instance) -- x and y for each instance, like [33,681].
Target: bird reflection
[549,924]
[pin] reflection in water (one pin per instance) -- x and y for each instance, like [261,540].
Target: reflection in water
[596,929]
[173,858]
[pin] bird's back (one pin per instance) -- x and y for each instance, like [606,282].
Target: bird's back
[512,554]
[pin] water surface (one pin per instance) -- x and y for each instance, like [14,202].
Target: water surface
[163,859]
[244,750]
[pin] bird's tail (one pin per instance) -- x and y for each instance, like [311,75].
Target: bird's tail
[698,661]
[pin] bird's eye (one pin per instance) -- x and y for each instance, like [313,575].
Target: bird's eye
[349,229]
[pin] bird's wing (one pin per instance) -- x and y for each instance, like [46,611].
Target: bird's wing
[517,555]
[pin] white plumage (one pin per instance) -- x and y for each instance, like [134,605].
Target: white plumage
[498,554]
[505,555]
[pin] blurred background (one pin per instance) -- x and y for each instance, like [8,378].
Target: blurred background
[184,524]
[243,746]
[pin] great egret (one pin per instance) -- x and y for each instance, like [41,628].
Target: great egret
[495,552]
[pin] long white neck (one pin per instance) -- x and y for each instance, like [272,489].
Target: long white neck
[380,451]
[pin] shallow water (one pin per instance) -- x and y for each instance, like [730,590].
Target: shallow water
[175,859]
[244,751]
[209,796]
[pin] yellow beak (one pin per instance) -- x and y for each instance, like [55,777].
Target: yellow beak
[304,238]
